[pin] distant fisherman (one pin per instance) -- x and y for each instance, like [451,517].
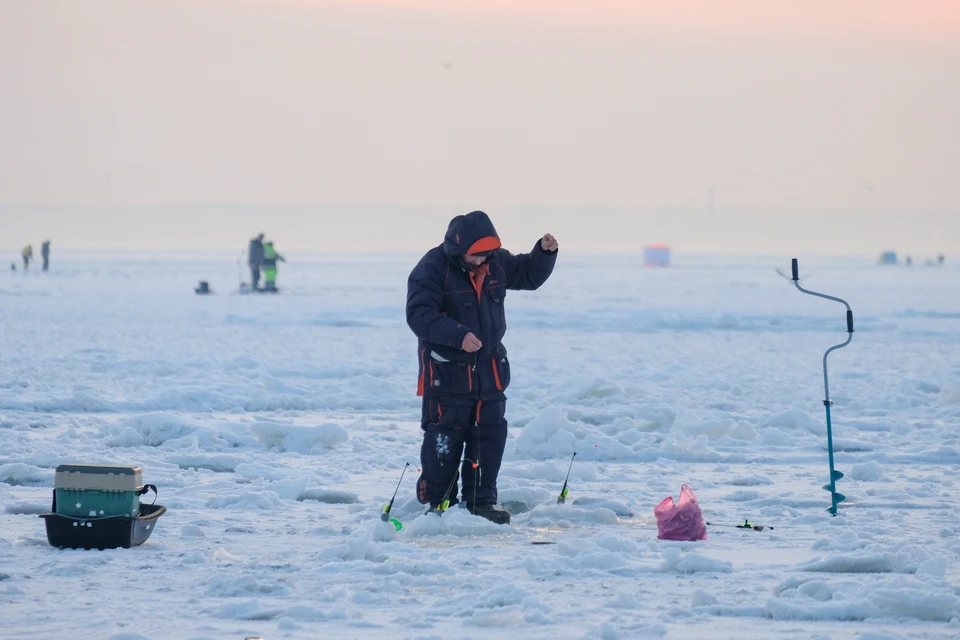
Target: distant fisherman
[255,260]
[27,255]
[45,254]
[455,306]
[270,257]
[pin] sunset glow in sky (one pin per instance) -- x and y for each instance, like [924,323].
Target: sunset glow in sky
[898,18]
[746,104]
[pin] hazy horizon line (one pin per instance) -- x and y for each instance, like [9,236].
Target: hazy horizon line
[227,253]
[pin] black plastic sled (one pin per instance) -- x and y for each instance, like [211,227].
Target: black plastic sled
[108,532]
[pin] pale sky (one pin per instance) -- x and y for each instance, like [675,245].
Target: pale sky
[771,105]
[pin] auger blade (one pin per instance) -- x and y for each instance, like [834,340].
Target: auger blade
[836,475]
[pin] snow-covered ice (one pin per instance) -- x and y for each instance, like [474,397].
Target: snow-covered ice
[276,427]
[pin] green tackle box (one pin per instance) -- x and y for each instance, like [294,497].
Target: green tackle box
[96,491]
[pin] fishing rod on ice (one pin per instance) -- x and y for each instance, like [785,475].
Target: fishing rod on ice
[445,503]
[240,260]
[835,498]
[385,516]
[746,525]
[565,492]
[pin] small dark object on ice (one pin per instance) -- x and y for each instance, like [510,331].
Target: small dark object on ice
[203,288]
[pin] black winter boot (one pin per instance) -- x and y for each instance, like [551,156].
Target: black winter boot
[491,512]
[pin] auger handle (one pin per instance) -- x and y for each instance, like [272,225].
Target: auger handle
[796,270]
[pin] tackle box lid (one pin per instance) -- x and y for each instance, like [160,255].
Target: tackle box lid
[104,477]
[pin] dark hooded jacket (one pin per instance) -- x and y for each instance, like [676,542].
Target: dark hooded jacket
[255,252]
[444,303]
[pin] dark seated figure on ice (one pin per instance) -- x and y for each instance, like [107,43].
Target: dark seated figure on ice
[455,306]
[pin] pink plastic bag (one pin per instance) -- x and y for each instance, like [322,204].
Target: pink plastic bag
[680,521]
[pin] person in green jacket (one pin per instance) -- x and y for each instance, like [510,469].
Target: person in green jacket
[270,258]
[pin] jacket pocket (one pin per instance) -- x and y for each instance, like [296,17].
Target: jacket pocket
[452,415]
[447,376]
[501,368]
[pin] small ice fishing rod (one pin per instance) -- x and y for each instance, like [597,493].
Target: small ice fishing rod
[240,269]
[445,503]
[835,498]
[564,492]
[746,525]
[385,516]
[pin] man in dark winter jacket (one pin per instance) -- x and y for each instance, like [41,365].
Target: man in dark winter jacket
[455,306]
[255,259]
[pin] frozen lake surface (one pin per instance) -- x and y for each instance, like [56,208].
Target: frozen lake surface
[276,427]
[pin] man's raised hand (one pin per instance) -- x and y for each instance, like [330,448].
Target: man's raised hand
[549,243]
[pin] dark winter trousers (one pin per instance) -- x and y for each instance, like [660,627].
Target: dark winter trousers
[255,275]
[449,427]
